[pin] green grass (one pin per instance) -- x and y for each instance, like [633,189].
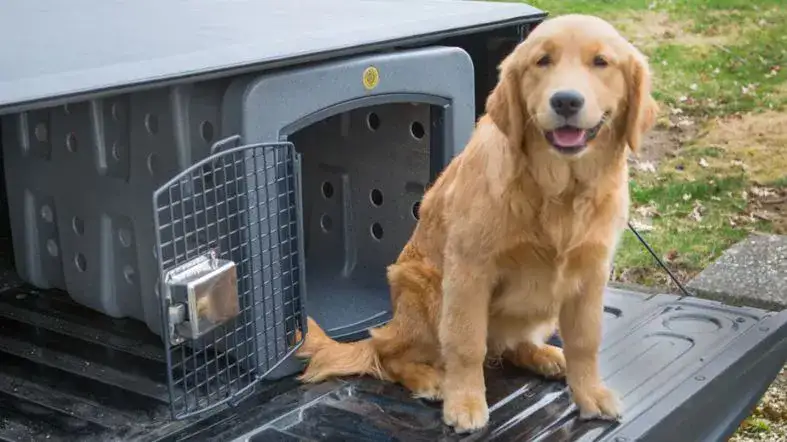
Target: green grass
[778,183]
[690,243]
[719,77]
[753,425]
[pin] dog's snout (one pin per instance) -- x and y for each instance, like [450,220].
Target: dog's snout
[567,103]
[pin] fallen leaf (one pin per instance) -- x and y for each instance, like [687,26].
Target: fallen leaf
[647,211]
[762,215]
[641,226]
[774,201]
[742,219]
[748,89]
[696,212]
[671,255]
[762,192]
[645,166]
[739,163]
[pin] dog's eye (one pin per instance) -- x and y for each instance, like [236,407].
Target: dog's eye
[545,60]
[600,61]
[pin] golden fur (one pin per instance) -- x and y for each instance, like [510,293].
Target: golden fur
[515,238]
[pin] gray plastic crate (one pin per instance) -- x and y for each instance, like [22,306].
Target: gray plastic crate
[81,176]
[372,131]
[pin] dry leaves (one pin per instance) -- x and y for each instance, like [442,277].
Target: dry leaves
[767,204]
[697,211]
[749,89]
[774,71]
[643,222]
[645,166]
[762,192]
[641,225]
[647,211]
[739,163]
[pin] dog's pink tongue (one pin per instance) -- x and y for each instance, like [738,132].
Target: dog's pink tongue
[569,137]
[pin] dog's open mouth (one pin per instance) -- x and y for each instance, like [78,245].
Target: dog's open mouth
[570,139]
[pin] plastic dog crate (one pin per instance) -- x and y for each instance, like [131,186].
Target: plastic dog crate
[206,209]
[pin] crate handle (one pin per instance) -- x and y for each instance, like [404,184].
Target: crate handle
[221,144]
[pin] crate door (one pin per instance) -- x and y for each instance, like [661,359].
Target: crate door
[230,257]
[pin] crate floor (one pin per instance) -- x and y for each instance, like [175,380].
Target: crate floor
[68,373]
[358,310]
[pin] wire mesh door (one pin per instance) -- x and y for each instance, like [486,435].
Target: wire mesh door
[230,255]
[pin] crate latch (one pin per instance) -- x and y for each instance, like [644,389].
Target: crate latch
[203,294]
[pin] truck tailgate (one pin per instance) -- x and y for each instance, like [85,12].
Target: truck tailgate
[685,368]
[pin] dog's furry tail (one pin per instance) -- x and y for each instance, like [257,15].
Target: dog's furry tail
[329,358]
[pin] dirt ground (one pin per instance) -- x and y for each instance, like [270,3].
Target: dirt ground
[769,420]
[754,143]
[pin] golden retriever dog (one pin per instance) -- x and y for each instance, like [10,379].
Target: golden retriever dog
[516,236]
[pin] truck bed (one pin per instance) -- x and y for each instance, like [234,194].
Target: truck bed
[686,369]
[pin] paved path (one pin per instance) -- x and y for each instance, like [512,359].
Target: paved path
[753,272]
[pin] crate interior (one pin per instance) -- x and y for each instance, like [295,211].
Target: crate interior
[364,173]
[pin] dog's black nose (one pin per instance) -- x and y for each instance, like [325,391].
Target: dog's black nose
[567,103]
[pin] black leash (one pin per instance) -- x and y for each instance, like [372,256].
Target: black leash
[658,260]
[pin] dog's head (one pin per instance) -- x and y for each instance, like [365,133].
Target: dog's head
[573,84]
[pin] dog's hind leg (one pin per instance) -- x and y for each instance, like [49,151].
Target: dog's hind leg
[423,380]
[536,355]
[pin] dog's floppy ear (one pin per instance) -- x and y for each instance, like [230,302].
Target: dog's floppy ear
[504,105]
[642,108]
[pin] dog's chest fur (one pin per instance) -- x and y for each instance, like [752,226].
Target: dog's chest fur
[550,236]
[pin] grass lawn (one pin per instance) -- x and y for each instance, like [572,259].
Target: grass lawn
[715,167]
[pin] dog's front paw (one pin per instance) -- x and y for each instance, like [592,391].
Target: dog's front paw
[466,412]
[597,402]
